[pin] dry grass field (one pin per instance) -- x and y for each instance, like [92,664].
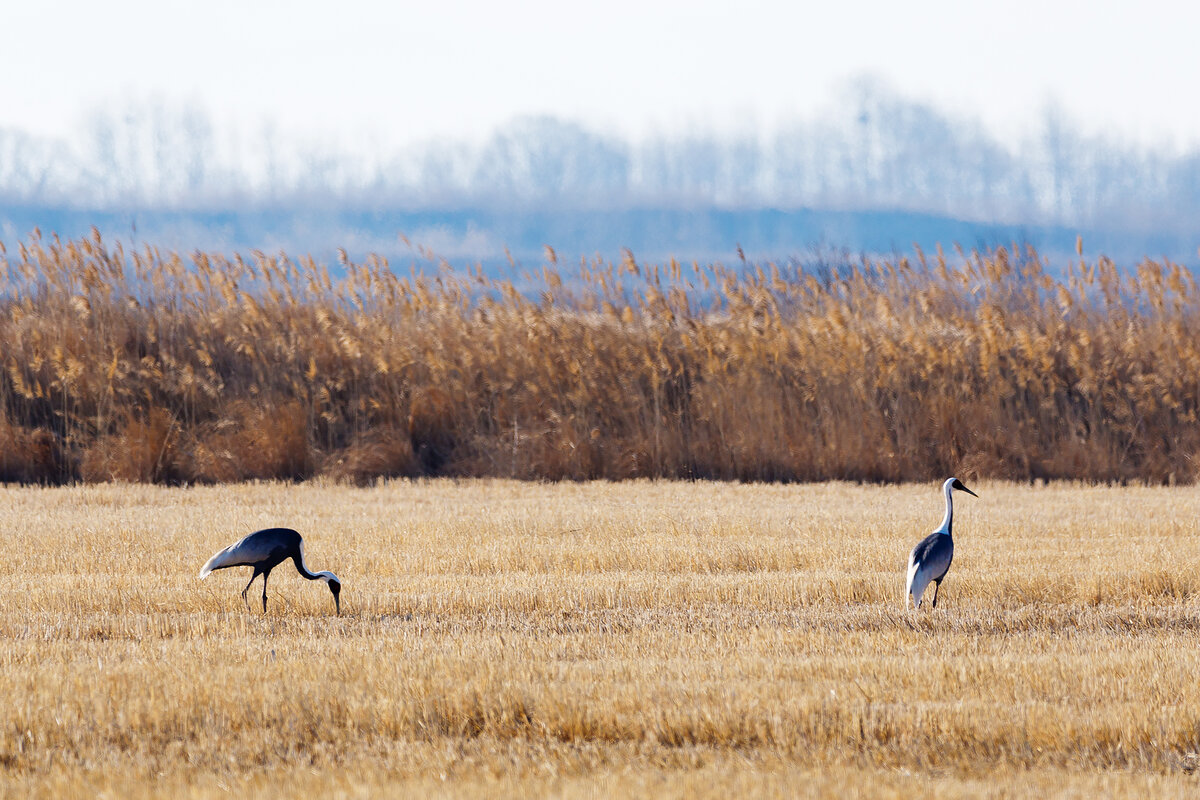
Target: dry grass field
[585,640]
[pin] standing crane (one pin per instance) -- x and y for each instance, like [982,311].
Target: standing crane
[264,550]
[930,559]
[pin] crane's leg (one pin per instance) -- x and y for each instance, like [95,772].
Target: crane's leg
[266,575]
[936,585]
[244,600]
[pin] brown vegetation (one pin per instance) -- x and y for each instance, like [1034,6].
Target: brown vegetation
[145,366]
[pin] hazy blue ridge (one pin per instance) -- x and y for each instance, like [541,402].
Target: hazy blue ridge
[482,235]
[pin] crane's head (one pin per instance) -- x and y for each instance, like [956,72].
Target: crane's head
[955,483]
[335,586]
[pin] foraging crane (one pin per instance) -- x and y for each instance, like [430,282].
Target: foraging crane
[264,550]
[930,559]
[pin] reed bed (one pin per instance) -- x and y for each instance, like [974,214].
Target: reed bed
[149,366]
[675,639]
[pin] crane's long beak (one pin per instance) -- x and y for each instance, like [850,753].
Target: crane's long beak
[336,589]
[968,491]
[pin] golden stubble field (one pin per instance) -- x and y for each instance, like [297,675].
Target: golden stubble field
[585,640]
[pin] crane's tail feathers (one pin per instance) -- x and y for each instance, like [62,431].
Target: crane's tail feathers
[915,585]
[211,564]
[232,556]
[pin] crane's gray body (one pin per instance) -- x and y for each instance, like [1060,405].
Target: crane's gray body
[930,560]
[264,550]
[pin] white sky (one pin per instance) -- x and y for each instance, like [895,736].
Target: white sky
[395,72]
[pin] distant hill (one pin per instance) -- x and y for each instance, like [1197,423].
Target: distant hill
[488,235]
[872,172]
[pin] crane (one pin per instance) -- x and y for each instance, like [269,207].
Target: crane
[264,550]
[930,559]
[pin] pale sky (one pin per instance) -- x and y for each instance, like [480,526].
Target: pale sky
[396,72]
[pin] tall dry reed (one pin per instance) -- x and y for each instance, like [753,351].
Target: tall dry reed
[148,366]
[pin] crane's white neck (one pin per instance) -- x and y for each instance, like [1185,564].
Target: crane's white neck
[312,576]
[948,520]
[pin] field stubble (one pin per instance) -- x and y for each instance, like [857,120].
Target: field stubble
[679,639]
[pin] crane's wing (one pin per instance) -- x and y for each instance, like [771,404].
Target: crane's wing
[249,551]
[928,562]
